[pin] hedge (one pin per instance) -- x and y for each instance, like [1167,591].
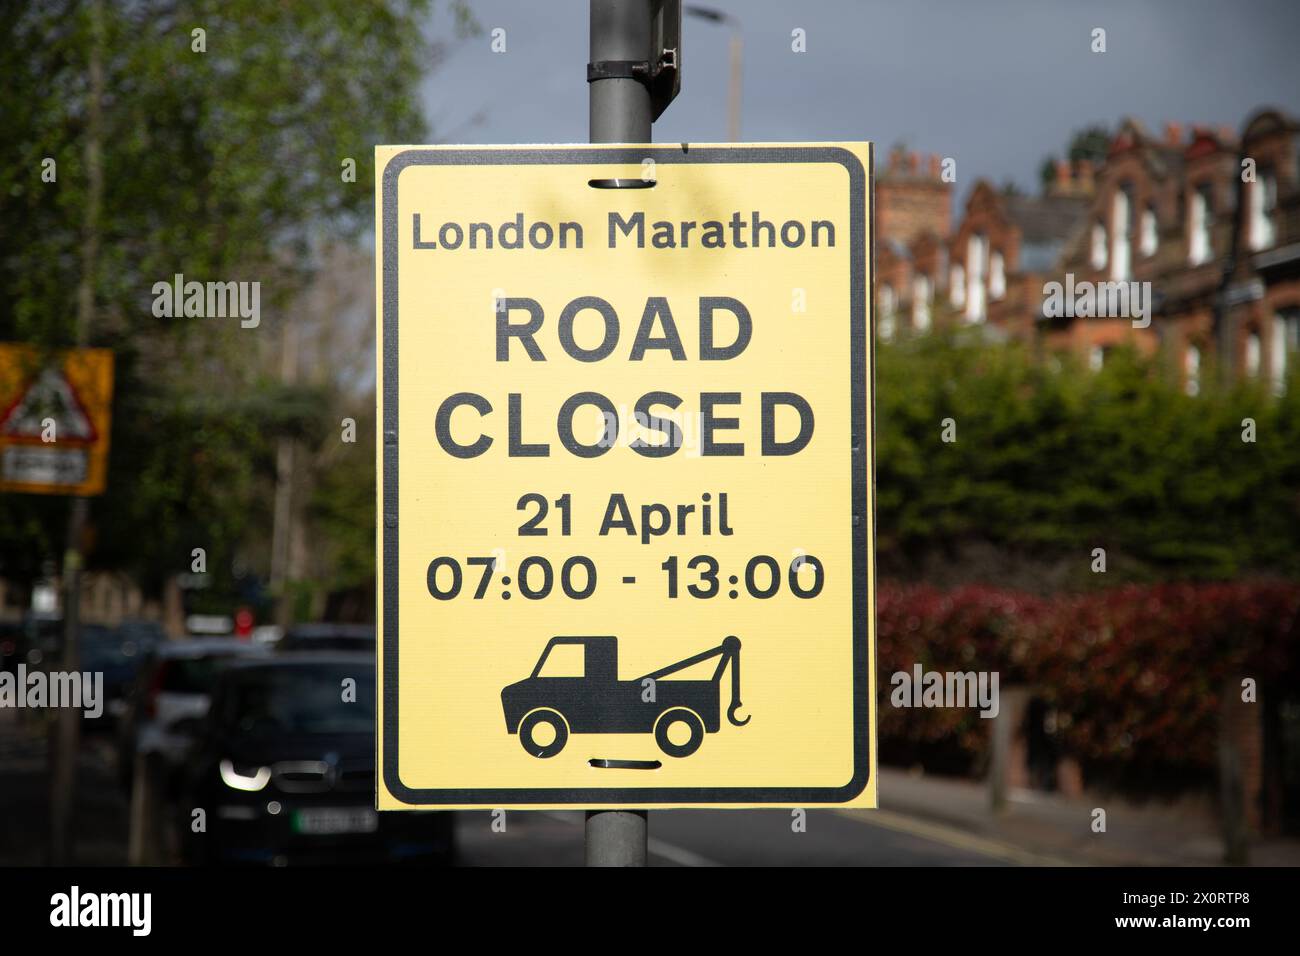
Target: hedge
[1135,673]
[1051,459]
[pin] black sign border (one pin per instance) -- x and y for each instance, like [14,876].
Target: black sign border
[863,457]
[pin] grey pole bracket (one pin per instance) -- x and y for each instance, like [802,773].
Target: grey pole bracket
[662,76]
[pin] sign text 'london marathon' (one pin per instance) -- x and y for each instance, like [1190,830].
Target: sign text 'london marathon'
[520,322]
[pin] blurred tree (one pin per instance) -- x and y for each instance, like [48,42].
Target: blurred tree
[1090,143]
[228,130]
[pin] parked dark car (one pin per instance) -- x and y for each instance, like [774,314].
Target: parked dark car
[329,637]
[285,769]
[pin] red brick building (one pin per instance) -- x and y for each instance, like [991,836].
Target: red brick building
[1259,324]
[1004,250]
[1209,219]
[913,222]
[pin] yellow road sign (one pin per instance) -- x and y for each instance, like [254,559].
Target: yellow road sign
[55,412]
[625,476]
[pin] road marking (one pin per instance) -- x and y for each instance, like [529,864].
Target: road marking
[669,851]
[951,836]
[679,855]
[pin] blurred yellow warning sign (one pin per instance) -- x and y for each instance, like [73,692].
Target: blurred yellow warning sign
[55,411]
[625,476]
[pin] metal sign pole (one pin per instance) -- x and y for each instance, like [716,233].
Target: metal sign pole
[621,112]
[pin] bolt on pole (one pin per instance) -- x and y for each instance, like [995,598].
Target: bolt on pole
[620,112]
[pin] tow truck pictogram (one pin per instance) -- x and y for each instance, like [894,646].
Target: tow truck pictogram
[599,703]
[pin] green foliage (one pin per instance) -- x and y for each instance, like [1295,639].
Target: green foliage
[1052,458]
[343,507]
[222,165]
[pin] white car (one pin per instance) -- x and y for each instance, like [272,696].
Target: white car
[171,697]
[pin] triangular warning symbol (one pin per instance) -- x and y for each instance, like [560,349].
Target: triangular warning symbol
[50,395]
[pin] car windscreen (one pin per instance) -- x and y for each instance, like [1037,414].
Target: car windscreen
[299,699]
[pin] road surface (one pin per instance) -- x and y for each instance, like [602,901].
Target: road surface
[734,838]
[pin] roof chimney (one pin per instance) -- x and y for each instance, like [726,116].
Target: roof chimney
[936,166]
[1063,176]
[1085,177]
[1174,134]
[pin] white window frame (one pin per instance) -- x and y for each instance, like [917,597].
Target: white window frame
[1192,370]
[997,276]
[1254,355]
[1097,251]
[922,293]
[888,305]
[976,259]
[1150,229]
[1278,347]
[1199,216]
[957,285]
[1121,252]
[1263,205]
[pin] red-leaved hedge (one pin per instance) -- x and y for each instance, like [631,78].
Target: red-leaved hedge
[1134,673]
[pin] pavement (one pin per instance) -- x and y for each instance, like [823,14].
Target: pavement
[1052,829]
[923,821]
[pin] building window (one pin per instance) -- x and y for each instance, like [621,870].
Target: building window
[1192,370]
[921,295]
[1263,208]
[997,276]
[1150,240]
[1285,340]
[1121,226]
[1097,254]
[1200,222]
[887,306]
[1253,355]
[957,286]
[976,254]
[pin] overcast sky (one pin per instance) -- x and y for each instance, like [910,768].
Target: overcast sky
[997,84]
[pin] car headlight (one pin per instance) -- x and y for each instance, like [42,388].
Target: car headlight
[244,777]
